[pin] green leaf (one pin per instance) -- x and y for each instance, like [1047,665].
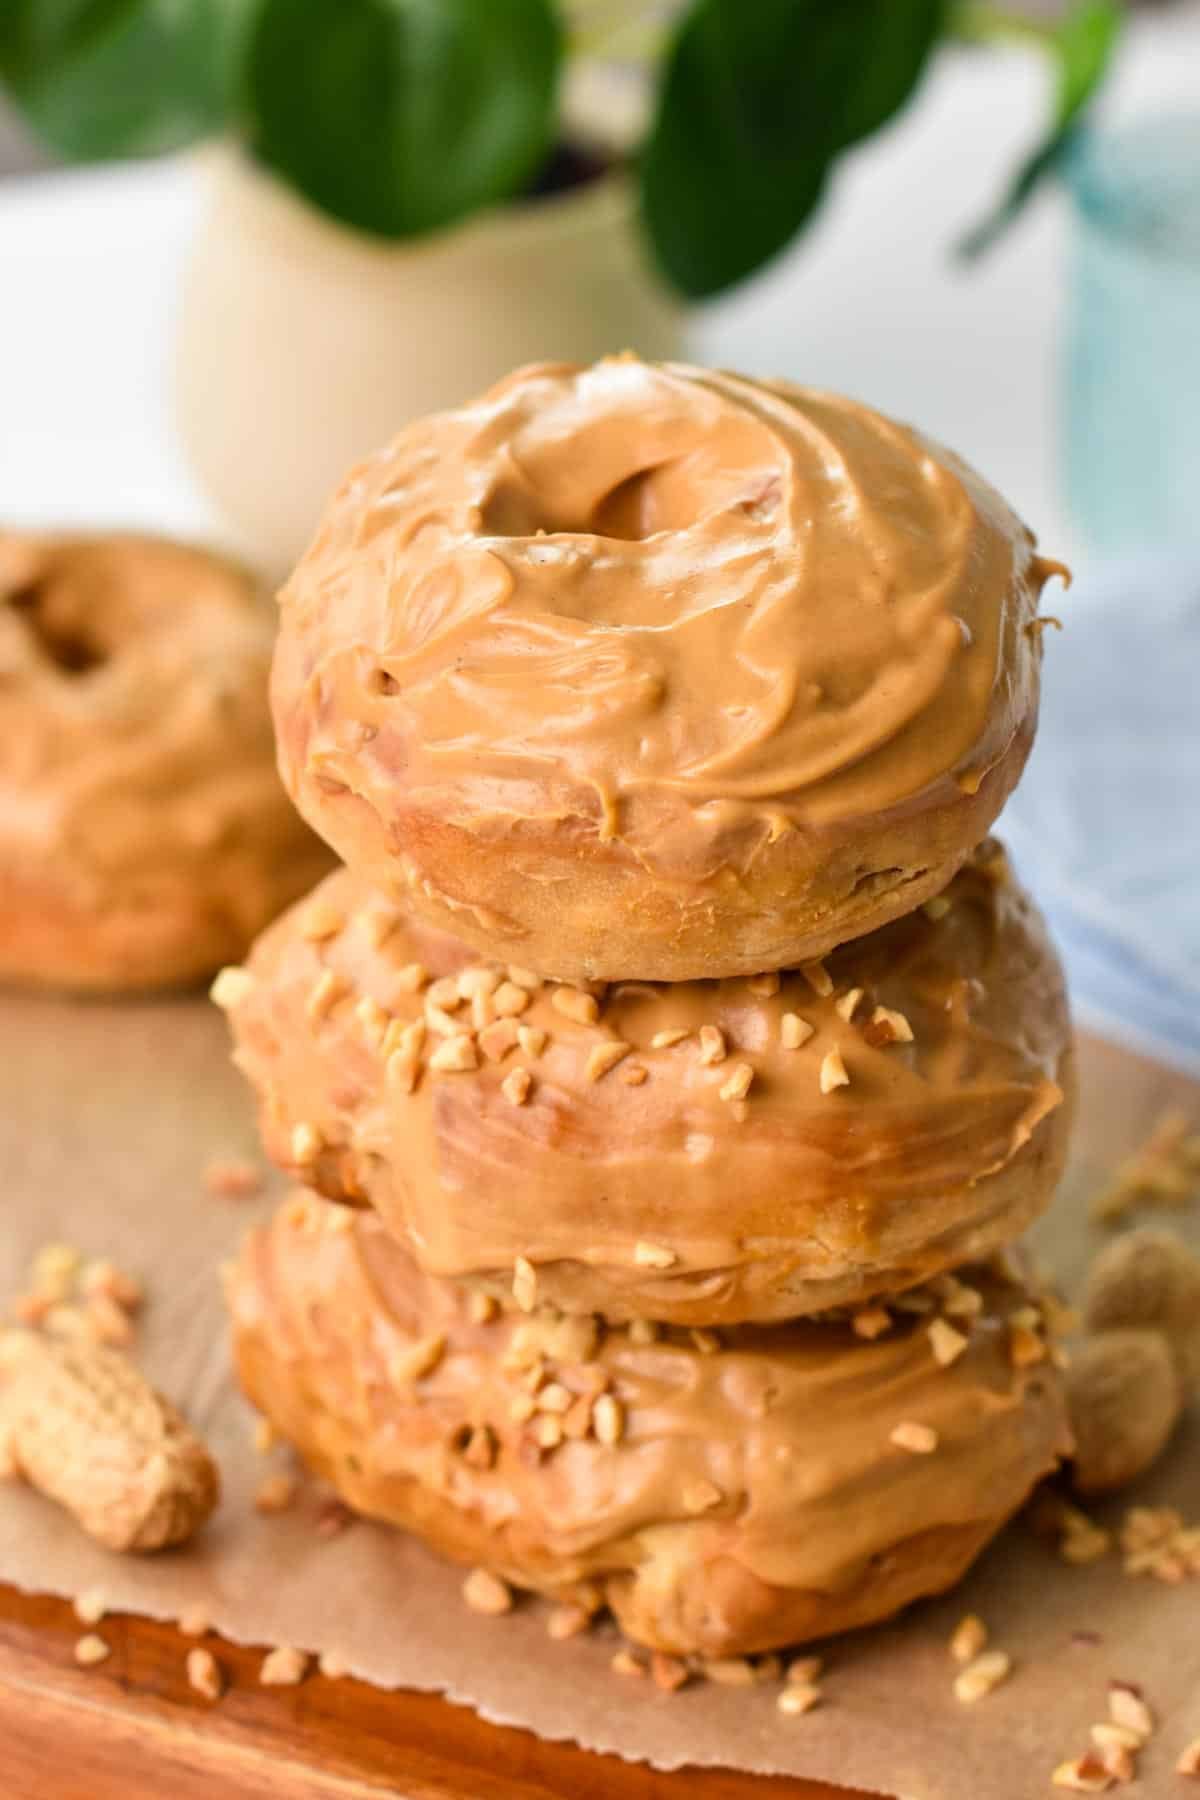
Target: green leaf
[400,116]
[99,78]
[1082,46]
[757,100]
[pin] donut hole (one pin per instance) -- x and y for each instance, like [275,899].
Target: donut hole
[630,512]
[639,507]
[63,639]
[666,496]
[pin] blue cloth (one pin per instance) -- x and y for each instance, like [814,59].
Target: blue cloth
[1105,826]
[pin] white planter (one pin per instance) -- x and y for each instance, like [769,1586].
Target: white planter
[303,345]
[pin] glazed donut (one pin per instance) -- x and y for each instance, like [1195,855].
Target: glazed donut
[144,834]
[666,1152]
[650,672]
[726,1494]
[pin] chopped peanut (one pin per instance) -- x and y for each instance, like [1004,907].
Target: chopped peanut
[510,1001]
[921,1440]
[981,1675]
[608,1419]
[1189,1759]
[763,986]
[892,1026]
[1083,1775]
[871,1321]
[947,1343]
[805,1668]
[455,1055]
[818,978]
[1127,1707]
[90,1606]
[969,1638]
[412,1361]
[1025,1347]
[477,980]
[524,1285]
[283,1667]
[517,1086]
[548,1431]
[444,995]
[574,1004]
[667,1672]
[204,1674]
[737,1086]
[794,1031]
[322,920]
[653,1256]
[498,1038]
[730,1671]
[324,995]
[606,1056]
[798,1697]
[379,925]
[524,978]
[567,1622]
[232,986]
[306,1143]
[486,1593]
[481,1308]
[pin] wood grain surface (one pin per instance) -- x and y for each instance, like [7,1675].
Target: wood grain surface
[132,1729]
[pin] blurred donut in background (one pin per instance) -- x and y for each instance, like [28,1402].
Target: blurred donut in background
[144,834]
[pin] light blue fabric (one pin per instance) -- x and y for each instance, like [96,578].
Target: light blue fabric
[1105,826]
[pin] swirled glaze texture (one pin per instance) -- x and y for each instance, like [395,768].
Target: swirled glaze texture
[754,1495]
[942,1144]
[662,608]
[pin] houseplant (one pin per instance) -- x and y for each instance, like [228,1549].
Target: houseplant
[395,217]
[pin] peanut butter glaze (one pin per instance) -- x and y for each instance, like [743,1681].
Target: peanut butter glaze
[646,670]
[144,820]
[672,600]
[728,1493]
[629,1166]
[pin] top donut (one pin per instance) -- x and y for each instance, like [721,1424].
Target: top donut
[649,671]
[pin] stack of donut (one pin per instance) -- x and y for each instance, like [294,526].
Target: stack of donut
[675,1061]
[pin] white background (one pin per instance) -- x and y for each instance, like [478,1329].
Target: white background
[870,302]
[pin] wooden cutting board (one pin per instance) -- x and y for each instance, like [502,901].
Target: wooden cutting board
[133,1730]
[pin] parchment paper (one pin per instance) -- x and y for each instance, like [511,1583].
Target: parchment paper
[108,1117]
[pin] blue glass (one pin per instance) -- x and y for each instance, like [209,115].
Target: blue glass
[1133,344]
